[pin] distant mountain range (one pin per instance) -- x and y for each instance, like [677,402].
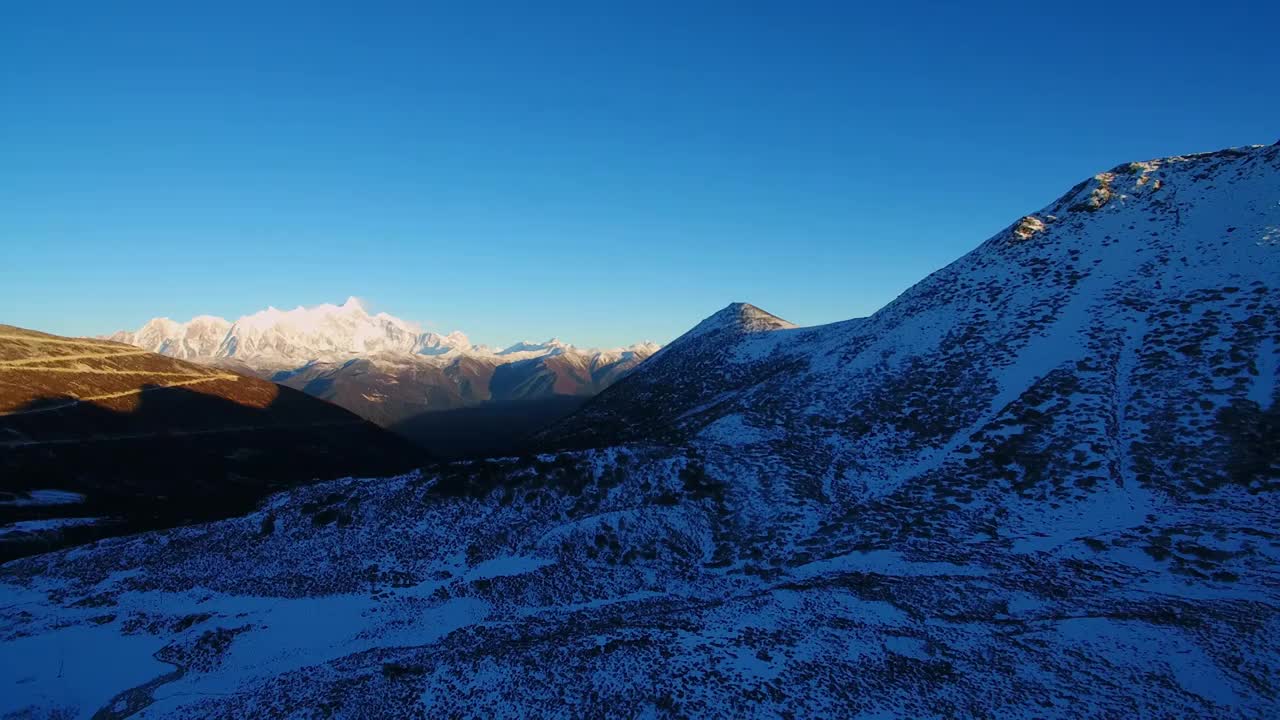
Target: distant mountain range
[389,371]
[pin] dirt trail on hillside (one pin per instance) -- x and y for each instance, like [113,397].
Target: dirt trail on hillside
[118,371]
[62,358]
[124,393]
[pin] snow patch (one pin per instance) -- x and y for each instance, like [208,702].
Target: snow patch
[44,497]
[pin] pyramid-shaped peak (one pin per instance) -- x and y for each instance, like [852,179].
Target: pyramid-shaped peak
[739,317]
[749,318]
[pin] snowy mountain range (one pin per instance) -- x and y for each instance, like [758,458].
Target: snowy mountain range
[281,339]
[391,372]
[1043,482]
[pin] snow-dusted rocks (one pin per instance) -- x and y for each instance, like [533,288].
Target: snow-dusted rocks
[1027,227]
[1041,483]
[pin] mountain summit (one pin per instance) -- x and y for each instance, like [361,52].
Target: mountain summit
[738,317]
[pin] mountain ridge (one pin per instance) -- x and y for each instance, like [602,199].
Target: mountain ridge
[273,338]
[389,371]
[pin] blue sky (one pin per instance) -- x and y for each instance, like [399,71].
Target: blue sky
[533,169]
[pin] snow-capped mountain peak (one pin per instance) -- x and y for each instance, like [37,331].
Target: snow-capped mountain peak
[435,344]
[198,337]
[324,331]
[278,339]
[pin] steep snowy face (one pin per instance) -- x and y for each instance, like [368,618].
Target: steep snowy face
[323,332]
[278,337]
[434,344]
[198,338]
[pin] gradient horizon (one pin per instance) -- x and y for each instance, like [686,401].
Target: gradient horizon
[605,177]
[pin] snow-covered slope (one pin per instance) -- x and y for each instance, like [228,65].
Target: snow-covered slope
[1041,483]
[1121,276]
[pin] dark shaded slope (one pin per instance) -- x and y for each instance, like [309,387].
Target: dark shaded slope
[387,390]
[468,407]
[489,430]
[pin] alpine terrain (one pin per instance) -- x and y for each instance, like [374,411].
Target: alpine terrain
[445,393]
[1042,482]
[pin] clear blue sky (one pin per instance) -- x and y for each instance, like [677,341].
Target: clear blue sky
[535,169]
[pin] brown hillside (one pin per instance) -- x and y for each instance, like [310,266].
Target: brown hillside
[151,441]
